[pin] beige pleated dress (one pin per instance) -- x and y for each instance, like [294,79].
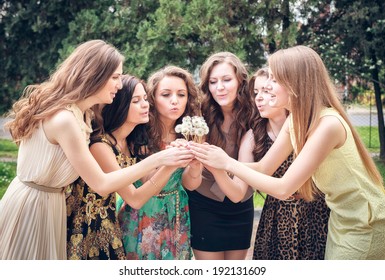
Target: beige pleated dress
[33,209]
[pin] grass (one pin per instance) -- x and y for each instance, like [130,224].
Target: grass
[7,173]
[8,149]
[369,135]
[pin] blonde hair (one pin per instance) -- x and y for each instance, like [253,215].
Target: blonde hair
[302,72]
[81,75]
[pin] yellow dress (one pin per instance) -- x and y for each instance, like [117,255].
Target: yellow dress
[357,218]
[33,220]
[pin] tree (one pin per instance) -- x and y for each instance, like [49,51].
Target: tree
[32,34]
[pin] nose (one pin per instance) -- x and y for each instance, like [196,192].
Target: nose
[220,85]
[174,99]
[120,83]
[259,96]
[145,103]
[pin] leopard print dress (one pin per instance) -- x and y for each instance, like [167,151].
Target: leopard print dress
[291,229]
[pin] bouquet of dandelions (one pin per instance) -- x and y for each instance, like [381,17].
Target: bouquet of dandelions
[193,128]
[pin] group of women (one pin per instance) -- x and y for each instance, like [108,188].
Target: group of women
[102,173]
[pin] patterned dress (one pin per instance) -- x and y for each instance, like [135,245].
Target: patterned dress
[160,230]
[291,229]
[93,231]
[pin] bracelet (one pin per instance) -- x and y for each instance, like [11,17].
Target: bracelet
[154,184]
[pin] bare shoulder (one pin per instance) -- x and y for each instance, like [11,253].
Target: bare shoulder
[62,121]
[331,129]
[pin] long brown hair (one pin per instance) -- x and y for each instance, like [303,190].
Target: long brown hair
[192,108]
[302,72]
[81,75]
[258,124]
[212,112]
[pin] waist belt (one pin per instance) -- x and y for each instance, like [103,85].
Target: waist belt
[42,188]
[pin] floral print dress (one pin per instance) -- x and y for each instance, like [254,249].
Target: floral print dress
[160,230]
[93,231]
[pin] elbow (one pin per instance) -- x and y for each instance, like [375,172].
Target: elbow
[236,198]
[283,193]
[136,205]
[100,189]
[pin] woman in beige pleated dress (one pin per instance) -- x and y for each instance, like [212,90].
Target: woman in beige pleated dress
[51,125]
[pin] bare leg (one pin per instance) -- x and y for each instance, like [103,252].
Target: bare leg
[236,254]
[204,255]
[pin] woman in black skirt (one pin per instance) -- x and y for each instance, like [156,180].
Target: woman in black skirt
[221,228]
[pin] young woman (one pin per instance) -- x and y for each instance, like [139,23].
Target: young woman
[93,231]
[327,151]
[222,226]
[161,228]
[52,124]
[288,229]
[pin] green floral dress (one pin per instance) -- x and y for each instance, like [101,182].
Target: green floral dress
[160,230]
[93,231]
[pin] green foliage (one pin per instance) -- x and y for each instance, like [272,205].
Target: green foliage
[8,149]
[7,173]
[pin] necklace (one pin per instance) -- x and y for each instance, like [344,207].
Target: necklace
[272,131]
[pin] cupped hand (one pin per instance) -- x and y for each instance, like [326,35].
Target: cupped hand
[176,156]
[209,155]
[179,142]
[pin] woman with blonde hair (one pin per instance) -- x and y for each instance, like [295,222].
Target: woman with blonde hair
[52,126]
[327,150]
[291,229]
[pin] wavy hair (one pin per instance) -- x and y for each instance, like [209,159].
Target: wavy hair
[155,127]
[79,76]
[302,72]
[114,115]
[257,123]
[212,112]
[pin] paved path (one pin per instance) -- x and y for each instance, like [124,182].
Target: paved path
[257,215]
[4,134]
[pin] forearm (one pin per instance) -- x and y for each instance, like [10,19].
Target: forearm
[234,190]
[136,198]
[276,187]
[192,177]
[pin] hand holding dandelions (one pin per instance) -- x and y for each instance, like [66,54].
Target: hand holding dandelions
[210,155]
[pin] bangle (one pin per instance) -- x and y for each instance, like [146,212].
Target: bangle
[154,184]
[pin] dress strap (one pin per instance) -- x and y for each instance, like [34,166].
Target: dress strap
[84,119]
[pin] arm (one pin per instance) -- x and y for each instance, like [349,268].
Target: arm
[192,175]
[136,198]
[64,130]
[277,154]
[328,135]
[235,189]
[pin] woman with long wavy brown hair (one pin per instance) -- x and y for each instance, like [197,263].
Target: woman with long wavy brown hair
[52,127]
[222,226]
[160,229]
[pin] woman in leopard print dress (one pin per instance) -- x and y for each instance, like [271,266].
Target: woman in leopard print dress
[291,229]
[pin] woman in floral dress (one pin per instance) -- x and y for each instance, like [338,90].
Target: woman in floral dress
[161,228]
[93,231]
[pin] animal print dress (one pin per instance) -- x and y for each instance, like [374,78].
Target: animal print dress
[291,229]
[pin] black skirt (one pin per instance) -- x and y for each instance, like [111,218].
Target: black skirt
[220,226]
